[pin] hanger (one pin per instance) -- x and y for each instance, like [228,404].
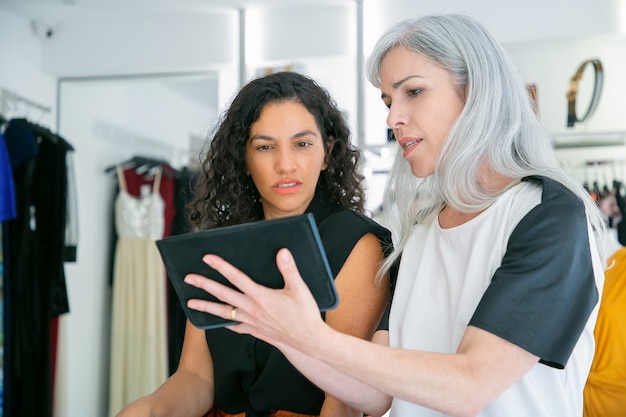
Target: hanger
[145,164]
[42,133]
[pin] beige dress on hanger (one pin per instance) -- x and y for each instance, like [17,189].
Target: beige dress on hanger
[138,325]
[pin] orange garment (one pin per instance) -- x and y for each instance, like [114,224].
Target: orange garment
[276,413]
[605,390]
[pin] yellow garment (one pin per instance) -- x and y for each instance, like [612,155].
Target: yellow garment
[605,391]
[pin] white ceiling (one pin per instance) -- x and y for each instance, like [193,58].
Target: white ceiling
[60,10]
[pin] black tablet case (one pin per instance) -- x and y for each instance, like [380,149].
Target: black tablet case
[252,248]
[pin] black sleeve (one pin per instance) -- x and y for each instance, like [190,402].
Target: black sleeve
[541,297]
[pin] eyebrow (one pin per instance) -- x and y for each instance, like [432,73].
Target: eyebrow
[399,83]
[298,135]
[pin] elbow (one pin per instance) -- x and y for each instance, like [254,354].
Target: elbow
[377,413]
[471,407]
[466,413]
[379,408]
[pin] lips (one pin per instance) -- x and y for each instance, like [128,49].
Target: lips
[287,186]
[406,145]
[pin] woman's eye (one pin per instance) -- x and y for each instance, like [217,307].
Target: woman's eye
[263,147]
[303,144]
[414,92]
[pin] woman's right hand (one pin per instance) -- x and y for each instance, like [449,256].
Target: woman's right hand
[288,316]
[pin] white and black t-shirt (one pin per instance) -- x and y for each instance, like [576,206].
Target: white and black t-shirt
[526,270]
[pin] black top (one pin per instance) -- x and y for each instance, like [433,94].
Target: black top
[253,376]
[530,301]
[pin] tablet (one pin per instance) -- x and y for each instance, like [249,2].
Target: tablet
[252,248]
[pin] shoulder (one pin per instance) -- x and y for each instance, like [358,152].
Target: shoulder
[341,230]
[548,266]
[554,193]
[346,227]
[559,208]
[351,221]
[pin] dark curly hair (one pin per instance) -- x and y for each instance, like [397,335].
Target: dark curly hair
[224,195]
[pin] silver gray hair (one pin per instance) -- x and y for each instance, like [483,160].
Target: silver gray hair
[498,126]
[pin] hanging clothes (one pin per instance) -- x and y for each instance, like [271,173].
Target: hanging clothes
[138,328]
[7,185]
[176,318]
[7,212]
[609,207]
[621,203]
[33,273]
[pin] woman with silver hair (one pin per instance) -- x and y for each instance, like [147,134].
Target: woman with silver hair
[497,291]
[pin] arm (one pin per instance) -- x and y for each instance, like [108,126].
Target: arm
[362,303]
[369,399]
[189,391]
[457,384]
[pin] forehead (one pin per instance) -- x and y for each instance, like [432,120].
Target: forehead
[400,62]
[287,108]
[284,118]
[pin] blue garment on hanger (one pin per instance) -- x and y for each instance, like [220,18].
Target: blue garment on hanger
[7,186]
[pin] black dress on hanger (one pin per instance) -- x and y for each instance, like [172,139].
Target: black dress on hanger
[35,290]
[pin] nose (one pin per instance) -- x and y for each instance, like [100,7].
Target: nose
[285,160]
[396,118]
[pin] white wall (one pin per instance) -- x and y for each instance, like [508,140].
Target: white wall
[107,46]
[550,65]
[21,69]
[123,45]
[321,40]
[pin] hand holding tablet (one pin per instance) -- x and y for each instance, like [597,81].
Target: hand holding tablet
[252,248]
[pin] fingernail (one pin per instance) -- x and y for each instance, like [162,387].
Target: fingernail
[190,280]
[285,255]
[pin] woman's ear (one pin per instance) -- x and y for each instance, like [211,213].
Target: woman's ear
[329,151]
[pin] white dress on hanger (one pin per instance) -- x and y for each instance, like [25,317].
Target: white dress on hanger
[138,326]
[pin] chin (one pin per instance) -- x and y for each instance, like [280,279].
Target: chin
[421,169]
[420,173]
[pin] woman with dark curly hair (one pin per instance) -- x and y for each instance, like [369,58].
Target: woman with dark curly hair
[282,148]
[226,193]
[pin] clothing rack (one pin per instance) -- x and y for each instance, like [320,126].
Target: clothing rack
[10,98]
[584,147]
[592,156]
[139,144]
[597,171]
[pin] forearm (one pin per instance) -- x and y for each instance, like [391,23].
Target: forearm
[336,368]
[184,394]
[459,384]
[354,393]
